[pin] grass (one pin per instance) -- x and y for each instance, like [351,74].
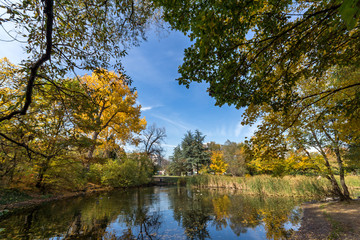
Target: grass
[353,183]
[275,186]
[266,185]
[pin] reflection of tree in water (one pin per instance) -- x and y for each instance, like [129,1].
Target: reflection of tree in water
[148,225]
[273,212]
[27,224]
[195,211]
[140,218]
[195,223]
[275,220]
[222,209]
[192,210]
[79,229]
[77,218]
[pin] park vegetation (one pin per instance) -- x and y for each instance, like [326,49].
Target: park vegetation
[292,66]
[298,167]
[74,133]
[61,129]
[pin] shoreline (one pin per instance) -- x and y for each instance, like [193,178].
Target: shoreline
[10,208]
[13,207]
[329,220]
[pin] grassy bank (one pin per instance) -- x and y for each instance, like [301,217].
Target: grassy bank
[274,186]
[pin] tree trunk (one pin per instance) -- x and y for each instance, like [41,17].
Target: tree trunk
[342,174]
[40,178]
[330,175]
[91,151]
[336,188]
[93,146]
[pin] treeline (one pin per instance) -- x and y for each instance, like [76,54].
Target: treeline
[73,133]
[194,156]
[245,158]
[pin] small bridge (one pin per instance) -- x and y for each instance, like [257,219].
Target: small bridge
[165,180]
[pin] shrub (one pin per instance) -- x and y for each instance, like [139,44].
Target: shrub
[134,170]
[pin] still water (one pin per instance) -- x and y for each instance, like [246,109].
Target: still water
[158,213]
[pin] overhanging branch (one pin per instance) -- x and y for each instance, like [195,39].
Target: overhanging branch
[49,12]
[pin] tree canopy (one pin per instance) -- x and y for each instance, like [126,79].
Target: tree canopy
[325,125]
[254,52]
[191,155]
[62,37]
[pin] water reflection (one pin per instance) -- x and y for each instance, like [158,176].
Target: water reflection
[157,213]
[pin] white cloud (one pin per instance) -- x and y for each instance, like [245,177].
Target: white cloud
[238,129]
[177,124]
[143,109]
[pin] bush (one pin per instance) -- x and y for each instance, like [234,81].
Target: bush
[134,170]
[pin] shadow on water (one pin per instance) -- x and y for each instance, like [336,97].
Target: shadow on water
[157,213]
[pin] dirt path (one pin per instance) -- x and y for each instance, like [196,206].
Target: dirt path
[331,220]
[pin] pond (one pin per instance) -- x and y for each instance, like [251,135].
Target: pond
[158,213]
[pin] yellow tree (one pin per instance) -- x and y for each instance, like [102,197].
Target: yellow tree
[112,116]
[218,164]
[42,140]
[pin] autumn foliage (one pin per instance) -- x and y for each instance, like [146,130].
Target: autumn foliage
[217,162]
[72,126]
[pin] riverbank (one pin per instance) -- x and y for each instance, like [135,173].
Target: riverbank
[330,220]
[13,199]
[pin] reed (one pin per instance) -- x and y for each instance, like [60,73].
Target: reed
[266,185]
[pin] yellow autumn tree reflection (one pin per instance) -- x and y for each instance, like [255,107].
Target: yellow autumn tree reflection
[221,211]
[274,221]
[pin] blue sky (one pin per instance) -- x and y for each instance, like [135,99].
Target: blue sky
[153,68]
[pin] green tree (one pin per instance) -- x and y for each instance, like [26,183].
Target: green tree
[255,52]
[193,150]
[36,144]
[178,162]
[49,146]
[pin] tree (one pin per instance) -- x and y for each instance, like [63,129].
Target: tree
[255,52]
[45,138]
[111,117]
[326,125]
[62,37]
[70,119]
[213,146]
[193,150]
[218,164]
[235,156]
[151,140]
[178,163]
